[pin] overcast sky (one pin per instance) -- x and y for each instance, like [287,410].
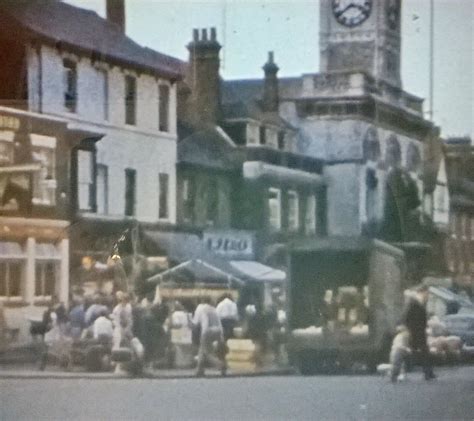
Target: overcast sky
[248,29]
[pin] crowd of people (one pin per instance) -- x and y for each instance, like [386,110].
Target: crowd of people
[119,318]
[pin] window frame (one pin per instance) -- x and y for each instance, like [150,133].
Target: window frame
[163,180]
[311,210]
[105,198]
[212,202]
[293,220]
[130,98]
[188,199]
[4,275]
[105,92]
[42,263]
[70,85]
[133,192]
[164,98]
[262,135]
[278,219]
[90,184]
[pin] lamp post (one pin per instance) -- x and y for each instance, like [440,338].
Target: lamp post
[431,92]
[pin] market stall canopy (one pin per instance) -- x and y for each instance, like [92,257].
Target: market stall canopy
[196,271]
[256,271]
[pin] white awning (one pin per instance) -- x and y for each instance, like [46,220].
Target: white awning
[258,271]
[47,251]
[255,170]
[11,250]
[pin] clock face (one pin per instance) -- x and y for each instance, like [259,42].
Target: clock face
[351,12]
[393,14]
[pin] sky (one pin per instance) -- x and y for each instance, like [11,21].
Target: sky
[248,29]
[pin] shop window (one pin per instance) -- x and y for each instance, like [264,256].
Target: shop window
[11,275]
[45,279]
[130,100]
[188,193]
[164,108]
[293,211]
[6,147]
[274,209]
[102,189]
[163,182]
[70,85]
[130,191]
[85,180]
[310,215]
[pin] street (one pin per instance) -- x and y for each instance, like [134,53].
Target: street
[291,397]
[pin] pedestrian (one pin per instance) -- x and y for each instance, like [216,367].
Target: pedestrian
[102,329]
[76,318]
[212,337]
[94,310]
[123,319]
[415,319]
[400,352]
[228,314]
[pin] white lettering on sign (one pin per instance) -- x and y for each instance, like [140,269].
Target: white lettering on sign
[230,244]
[7,122]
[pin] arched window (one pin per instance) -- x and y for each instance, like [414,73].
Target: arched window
[393,155]
[371,145]
[413,158]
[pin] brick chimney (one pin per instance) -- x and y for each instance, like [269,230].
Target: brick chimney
[203,78]
[115,10]
[270,87]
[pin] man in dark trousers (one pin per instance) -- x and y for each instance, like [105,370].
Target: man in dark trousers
[415,319]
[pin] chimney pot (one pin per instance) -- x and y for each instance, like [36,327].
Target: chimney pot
[196,35]
[270,57]
[213,34]
[204,34]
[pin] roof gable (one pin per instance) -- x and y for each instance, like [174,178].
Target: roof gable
[73,27]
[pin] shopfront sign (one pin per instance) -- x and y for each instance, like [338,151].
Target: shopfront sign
[9,123]
[231,244]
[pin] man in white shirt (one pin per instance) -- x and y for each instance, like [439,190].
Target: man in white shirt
[228,314]
[102,328]
[207,319]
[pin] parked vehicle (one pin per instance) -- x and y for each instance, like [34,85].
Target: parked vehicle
[462,325]
[344,301]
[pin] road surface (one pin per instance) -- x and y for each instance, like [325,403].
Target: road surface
[450,397]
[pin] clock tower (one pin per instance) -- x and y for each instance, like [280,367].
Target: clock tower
[361,35]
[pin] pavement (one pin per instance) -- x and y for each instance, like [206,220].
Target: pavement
[10,372]
[323,397]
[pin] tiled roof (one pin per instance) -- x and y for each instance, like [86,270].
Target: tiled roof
[242,99]
[207,148]
[73,27]
[247,90]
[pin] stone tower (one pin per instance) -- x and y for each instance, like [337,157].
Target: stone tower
[361,35]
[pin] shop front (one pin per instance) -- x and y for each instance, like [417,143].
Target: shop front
[34,268]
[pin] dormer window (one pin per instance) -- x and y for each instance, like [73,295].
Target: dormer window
[70,85]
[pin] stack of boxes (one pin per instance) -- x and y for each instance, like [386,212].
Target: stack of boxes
[243,355]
